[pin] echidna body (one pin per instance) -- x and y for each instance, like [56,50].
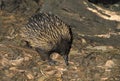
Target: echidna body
[47,34]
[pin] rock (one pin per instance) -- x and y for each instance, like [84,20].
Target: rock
[109,64]
[102,48]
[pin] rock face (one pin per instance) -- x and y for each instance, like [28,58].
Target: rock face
[19,5]
[80,18]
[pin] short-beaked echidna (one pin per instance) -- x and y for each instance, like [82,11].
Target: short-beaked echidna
[47,34]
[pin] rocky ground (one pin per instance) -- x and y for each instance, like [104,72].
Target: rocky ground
[95,53]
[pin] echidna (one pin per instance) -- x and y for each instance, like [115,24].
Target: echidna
[47,34]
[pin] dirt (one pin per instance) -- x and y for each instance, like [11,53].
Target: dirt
[94,56]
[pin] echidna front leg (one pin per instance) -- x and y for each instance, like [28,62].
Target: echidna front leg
[65,56]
